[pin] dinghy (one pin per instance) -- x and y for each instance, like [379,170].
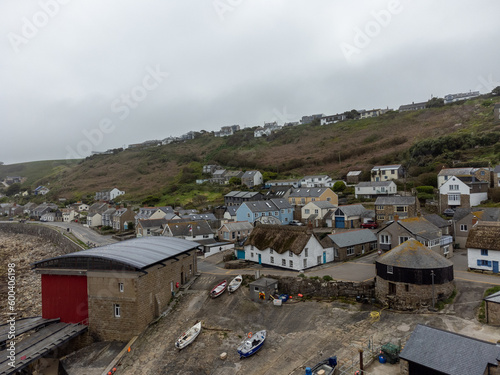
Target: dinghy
[234,284]
[326,367]
[188,337]
[252,344]
[219,289]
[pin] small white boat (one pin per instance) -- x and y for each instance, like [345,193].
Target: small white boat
[234,284]
[219,289]
[188,337]
[252,344]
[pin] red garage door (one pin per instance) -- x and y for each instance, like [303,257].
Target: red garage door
[65,297]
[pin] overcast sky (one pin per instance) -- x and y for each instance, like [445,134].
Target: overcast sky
[82,76]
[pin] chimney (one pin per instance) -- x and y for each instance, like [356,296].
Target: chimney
[474,220]
[396,217]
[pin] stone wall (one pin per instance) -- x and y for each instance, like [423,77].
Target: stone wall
[410,296]
[144,297]
[325,289]
[443,201]
[493,313]
[50,234]
[404,367]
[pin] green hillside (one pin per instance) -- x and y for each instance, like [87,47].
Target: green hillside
[424,141]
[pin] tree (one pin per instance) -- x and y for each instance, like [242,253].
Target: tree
[339,186]
[235,181]
[434,103]
[13,190]
[496,91]
[352,114]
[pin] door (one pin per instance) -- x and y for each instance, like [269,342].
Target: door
[324,256]
[240,254]
[339,222]
[260,259]
[495,266]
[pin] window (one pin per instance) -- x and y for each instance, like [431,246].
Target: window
[306,252]
[313,199]
[206,236]
[120,287]
[392,288]
[484,252]
[248,214]
[251,255]
[350,250]
[446,250]
[291,264]
[116,308]
[328,199]
[407,287]
[306,211]
[271,251]
[484,263]
[251,247]
[463,227]
[390,269]
[316,211]
[318,259]
[401,208]
[272,260]
[283,262]
[403,239]
[290,253]
[380,217]
[256,214]
[385,239]
[454,187]
[305,263]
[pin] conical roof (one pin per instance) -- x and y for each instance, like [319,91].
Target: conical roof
[412,254]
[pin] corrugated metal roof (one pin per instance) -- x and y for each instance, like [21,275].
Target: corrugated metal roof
[449,352]
[392,200]
[308,192]
[495,297]
[375,183]
[354,237]
[138,252]
[238,225]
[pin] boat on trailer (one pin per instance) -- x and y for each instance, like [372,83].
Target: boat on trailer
[326,367]
[234,284]
[219,289]
[252,344]
[188,337]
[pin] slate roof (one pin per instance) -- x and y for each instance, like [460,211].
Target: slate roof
[486,235]
[138,252]
[267,206]
[280,238]
[412,254]
[232,210]
[461,212]
[278,191]
[422,227]
[456,171]
[351,210]
[448,352]
[437,220]
[495,297]
[198,228]
[308,192]
[497,168]
[354,173]
[375,183]
[241,194]
[238,226]
[248,174]
[394,200]
[390,166]
[152,223]
[488,214]
[205,216]
[353,237]
[322,204]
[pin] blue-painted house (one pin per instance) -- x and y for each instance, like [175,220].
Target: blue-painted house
[272,211]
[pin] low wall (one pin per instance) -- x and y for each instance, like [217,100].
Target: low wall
[52,235]
[325,289]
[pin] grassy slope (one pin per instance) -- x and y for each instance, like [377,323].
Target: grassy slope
[332,149]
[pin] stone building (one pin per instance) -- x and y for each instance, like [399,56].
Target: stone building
[118,289]
[394,207]
[409,275]
[492,309]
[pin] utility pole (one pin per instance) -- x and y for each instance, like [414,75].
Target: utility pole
[432,276]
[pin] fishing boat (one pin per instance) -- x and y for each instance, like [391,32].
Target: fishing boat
[188,337]
[326,367]
[234,284]
[252,344]
[218,289]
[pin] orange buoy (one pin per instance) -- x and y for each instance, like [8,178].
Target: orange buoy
[249,334]
[300,295]
[128,349]
[114,369]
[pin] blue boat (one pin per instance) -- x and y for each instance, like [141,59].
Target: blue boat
[252,344]
[328,367]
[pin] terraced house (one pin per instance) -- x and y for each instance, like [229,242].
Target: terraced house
[272,211]
[303,196]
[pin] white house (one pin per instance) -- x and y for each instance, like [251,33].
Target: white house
[68,215]
[108,195]
[372,189]
[316,210]
[252,178]
[456,193]
[315,181]
[293,248]
[94,220]
[483,246]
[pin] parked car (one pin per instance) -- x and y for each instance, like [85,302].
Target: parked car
[296,222]
[369,224]
[449,212]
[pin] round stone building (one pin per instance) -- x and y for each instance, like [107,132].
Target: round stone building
[407,275]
